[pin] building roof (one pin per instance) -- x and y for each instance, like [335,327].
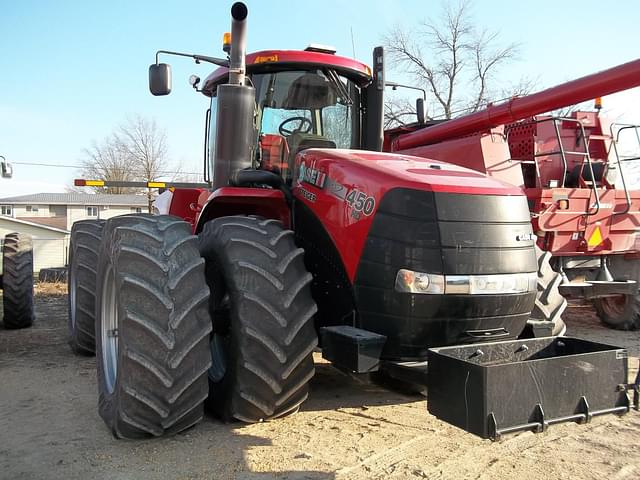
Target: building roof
[57,222]
[76,199]
[39,225]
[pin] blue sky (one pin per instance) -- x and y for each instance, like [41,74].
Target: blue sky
[71,71]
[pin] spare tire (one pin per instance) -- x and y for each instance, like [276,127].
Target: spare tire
[17,280]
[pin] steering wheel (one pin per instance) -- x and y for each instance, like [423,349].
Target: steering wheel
[304,126]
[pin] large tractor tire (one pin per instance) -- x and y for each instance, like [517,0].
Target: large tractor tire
[621,312]
[152,326]
[17,280]
[546,317]
[262,310]
[83,263]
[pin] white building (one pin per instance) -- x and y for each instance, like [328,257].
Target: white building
[48,218]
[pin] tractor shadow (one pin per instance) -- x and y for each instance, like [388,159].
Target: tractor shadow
[331,389]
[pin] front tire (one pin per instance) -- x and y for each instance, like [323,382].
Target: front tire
[546,317]
[152,326]
[17,280]
[83,262]
[262,311]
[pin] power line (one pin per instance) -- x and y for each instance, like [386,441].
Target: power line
[35,164]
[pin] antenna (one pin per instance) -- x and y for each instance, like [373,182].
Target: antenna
[353,45]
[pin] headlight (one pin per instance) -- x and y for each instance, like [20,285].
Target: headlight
[418,282]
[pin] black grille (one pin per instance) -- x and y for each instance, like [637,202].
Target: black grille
[447,234]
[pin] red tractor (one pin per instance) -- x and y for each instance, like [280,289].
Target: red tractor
[308,236]
[584,210]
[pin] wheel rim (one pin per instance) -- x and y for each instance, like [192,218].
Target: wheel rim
[109,331]
[72,297]
[614,307]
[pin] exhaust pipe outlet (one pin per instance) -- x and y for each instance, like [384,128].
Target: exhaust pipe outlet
[237,68]
[235,128]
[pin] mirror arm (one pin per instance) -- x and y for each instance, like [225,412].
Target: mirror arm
[221,62]
[395,85]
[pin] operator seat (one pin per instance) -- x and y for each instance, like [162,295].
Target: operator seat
[310,91]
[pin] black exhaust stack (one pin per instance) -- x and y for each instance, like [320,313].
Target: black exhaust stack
[236,107]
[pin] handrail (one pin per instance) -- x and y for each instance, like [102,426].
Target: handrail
[614,141]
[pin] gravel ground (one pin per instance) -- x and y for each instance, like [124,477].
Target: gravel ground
[49,427]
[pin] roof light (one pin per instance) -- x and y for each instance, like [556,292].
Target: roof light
[316,47]
[598,103]
[226,42]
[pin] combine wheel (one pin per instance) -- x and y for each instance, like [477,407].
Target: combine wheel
[17,282]
[83,262]
[621,312]
[152,326]
[550,304]
[262,310]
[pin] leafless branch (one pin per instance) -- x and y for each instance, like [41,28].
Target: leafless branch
[459,55]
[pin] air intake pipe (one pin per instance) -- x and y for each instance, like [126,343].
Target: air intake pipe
[235,128]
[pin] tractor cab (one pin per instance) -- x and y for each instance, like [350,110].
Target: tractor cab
[303,99]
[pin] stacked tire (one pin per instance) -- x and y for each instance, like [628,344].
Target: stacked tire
[17,281]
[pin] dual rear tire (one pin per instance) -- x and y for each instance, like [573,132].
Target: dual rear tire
[153,320]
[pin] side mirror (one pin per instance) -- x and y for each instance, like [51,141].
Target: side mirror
[160,79]
[420,110]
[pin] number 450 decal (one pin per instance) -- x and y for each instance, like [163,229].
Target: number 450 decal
[361,202]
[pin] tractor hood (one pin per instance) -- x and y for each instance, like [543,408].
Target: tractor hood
[401,170]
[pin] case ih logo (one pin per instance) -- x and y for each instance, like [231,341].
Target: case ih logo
[311,176]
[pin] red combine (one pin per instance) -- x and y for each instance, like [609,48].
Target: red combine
[306,235]
[584,210]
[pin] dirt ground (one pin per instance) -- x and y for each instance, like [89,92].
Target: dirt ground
[50,428]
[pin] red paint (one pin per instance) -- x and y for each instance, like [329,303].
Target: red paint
[375,174]
[228,201]
[184,204]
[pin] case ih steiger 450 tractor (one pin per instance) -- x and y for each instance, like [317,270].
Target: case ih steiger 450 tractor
[309,236]
[585,211]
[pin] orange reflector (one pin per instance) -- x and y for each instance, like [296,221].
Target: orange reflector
[563,204]
[596,238]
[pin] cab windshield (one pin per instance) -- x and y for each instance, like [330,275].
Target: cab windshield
[304,109]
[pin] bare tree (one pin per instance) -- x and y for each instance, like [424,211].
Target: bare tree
[451,58]
[145,145]
[136,151]
[106,160]
[396,111]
